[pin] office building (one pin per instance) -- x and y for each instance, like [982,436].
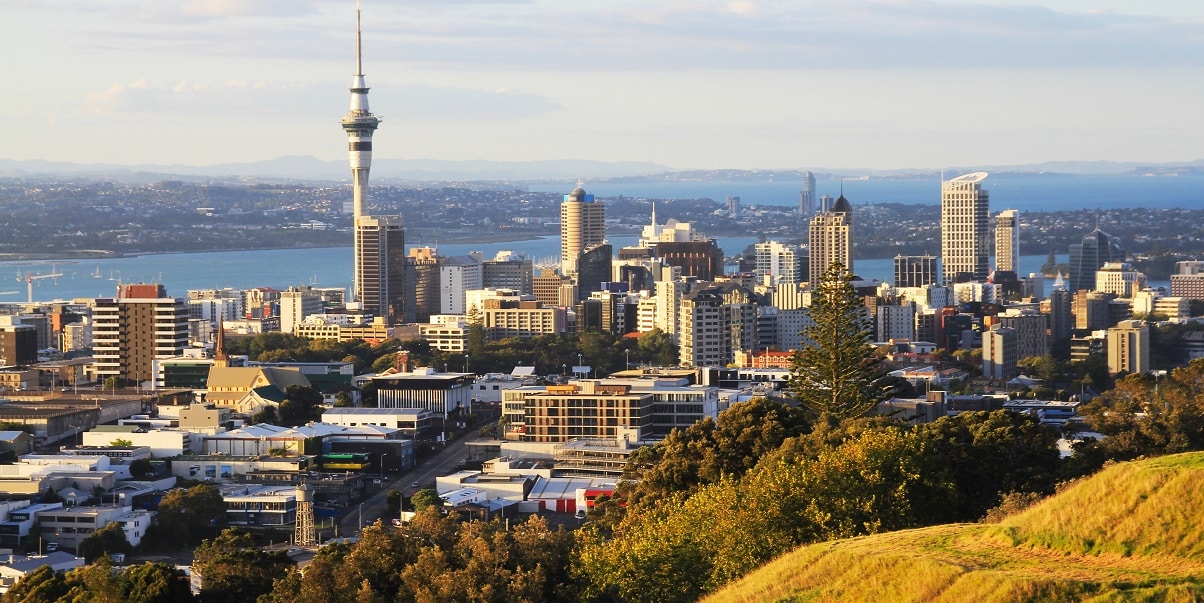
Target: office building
[915,270]
[1129,347]
[701,259]
[831,239]
[133,329]
[1188,280]
[508,270]
[1096,249]
[1007,241]
[964,217]
[381,266]
[295,304]
[806,197]
[594,267]
[582,226]
[1061,313]
[422,279]
[1119,279]
[18,342]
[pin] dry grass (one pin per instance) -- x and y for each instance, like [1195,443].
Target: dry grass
[1135,532]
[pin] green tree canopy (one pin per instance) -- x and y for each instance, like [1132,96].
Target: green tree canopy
[836,373]
[105,541]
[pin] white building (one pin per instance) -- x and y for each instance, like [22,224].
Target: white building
[457,276]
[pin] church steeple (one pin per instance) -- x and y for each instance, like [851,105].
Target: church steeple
[219,346]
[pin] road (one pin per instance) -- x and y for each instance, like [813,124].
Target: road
[374,507]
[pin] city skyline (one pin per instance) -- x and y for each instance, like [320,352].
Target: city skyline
[690,85]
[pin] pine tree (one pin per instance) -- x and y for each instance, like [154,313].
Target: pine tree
[836,374]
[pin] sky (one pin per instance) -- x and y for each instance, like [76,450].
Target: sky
[691,84]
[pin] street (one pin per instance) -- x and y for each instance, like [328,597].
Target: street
[374,507]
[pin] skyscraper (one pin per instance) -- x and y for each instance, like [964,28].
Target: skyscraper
[380,264]
[806,197]
[1007,240]
[831,239]
[1089,256]
[582,225]
[964,216]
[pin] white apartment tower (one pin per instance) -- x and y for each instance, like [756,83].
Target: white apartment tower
[1007,241]
[831,239]
[582,226]
[964,216]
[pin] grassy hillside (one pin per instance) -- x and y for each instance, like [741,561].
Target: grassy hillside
[1134,532]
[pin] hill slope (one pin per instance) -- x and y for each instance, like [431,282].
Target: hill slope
[1135,531]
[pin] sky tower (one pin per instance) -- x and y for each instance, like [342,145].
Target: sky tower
[359,123]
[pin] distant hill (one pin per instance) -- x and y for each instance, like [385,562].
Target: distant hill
[1135,531]
[313,169]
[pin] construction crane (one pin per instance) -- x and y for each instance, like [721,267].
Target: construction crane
[30,278]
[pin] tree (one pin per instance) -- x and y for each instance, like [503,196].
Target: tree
[141,468]
[426,499]
[105,541]
[266,415]
[156,583]
[301,405]
[232,569]
[836,375]
[186,516]
[1146,416]
[121,443]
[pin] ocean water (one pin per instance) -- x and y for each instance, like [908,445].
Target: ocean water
[1028,192]
[282,268]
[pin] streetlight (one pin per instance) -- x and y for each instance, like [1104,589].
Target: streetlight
[628,364]
[580,362]
[382,465]
[466,363]
[563,369]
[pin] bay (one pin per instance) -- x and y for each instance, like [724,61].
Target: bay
[282,268]
[1024,192]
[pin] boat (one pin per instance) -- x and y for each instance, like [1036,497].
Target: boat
[97,273]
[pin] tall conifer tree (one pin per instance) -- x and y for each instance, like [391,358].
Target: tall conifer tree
[836,374]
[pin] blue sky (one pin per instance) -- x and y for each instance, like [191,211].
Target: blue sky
[685,83]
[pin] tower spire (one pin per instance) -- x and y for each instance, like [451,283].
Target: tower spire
[359,55]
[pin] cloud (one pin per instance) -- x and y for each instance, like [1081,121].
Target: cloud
[422,103]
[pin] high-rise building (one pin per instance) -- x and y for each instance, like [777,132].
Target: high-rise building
[964,217]
[422,278]
[380,262]
[508,270]
[1129,347]
[999,353]
[457,276]
[295,304]
[778,263]
[582,225]
[831,239]
[1119,279]
[1032,338]
[359,123]
[1061,315]
[18,342]
[915,270]
[141,324]
[1089,256]
[1007,241]
[594,267]
[806,197]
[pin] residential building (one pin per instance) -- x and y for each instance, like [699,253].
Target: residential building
[135,328]
[1129,347]
[1007,241]
[457,276]
[999,354]
[964,217]
[508,270]
[1119,279]
[297,303]
[830,240]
